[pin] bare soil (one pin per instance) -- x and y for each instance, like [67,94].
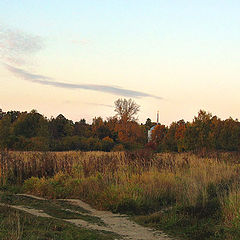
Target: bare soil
[116,223]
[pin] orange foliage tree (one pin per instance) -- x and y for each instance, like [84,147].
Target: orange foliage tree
[129,131]
[158,135]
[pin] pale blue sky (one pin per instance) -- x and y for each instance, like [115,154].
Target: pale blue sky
[184,52]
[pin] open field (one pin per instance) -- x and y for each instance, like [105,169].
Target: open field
[188,196]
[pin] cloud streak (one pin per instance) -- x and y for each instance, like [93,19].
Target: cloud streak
[88,103]
[44,80]
[100,104]
[16,46]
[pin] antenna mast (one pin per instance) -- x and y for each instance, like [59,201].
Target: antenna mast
[157,117]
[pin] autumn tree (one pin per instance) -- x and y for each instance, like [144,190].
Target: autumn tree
[100,128]
[129,131]
[197,134]
[202,125]
[158,135]
[180,135]
[111,124]
[170,139]
[126,109]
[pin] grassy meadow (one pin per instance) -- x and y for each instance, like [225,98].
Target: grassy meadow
[186,195]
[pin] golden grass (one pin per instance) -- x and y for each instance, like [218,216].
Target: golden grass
[113,180]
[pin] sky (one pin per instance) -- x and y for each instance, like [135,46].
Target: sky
[77,57]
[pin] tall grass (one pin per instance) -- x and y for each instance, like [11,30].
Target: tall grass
[142,182]
[14,225]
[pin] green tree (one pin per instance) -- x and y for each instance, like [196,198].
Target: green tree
[82,129]
[61,127]
[197,134]
[28,124]
[149,124]
[5,132]
[107,144]
[230,135]
[13,115]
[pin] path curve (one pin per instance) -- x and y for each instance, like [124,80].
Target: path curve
[116,223]
[120,224]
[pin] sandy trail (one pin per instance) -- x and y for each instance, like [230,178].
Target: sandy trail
[121,225]
[116,223]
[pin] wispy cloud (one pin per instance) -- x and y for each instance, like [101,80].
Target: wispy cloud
[88,103]
[44,80]
[100,104]
[26,75]
[16,46]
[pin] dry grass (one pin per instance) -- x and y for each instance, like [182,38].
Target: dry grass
[132,182]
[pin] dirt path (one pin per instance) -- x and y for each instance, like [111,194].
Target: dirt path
[35,212]
[116,223]
[121,225]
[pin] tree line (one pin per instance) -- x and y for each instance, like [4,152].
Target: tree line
[25,131]
[32,131]
[206,132]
